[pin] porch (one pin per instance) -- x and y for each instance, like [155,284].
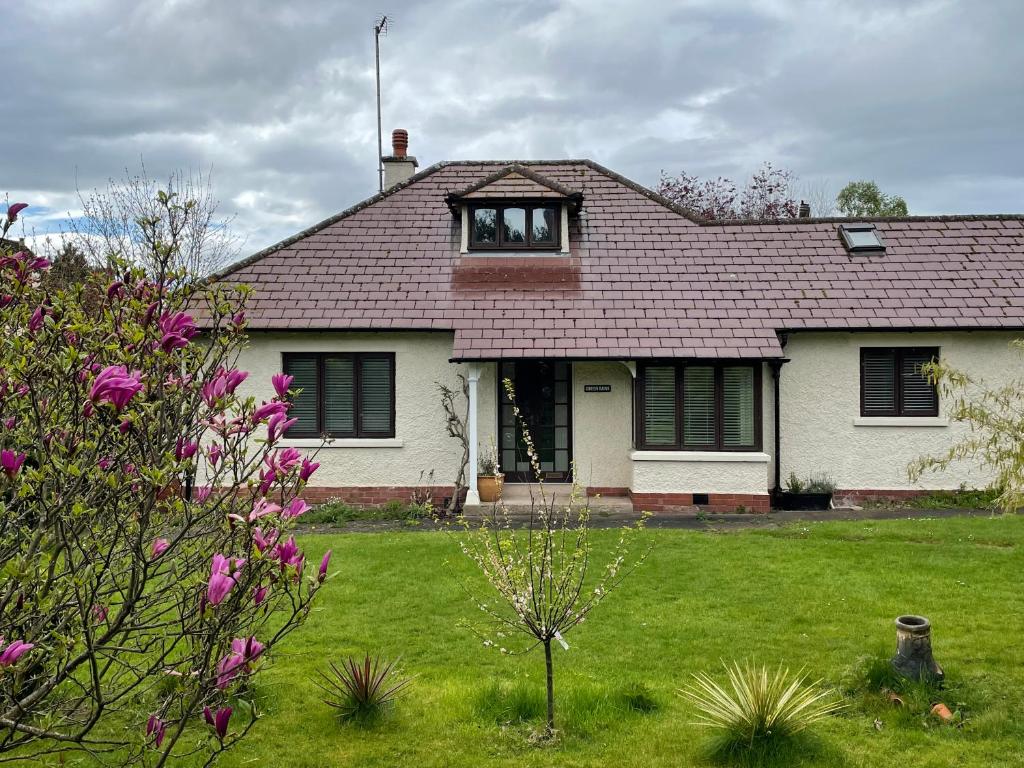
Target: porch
[626,432]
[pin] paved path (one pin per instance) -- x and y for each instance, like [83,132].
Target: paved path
[681,520]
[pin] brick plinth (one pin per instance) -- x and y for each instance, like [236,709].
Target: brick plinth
[606,492]
[717,502]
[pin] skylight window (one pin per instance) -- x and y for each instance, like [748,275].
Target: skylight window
[861,237]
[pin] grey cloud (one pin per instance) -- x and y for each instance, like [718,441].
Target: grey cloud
[277,98]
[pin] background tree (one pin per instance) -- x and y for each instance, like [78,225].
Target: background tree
[148,570]
[768,194]
[995,417]
[542,574]
[135,216]
[864,198]
[68,267]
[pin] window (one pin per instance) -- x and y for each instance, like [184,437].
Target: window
[515,226]
[891,382]
[343,394]
[860,237]
[699,407]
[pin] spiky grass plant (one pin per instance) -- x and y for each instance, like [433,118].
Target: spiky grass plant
[362,690]
[763,709]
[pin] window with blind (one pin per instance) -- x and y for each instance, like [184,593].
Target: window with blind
[891,382]
[343,394]
[699,407]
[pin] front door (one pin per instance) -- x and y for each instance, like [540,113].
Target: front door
[542,390]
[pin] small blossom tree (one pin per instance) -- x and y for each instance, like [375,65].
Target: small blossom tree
[543,575]
[148,569]
[995,417]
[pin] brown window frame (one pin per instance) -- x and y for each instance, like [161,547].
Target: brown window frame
[357,359]
[680,444]
[897,411]
[529,245]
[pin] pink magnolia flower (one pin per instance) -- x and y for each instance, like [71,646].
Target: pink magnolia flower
[201,493]
[279,424]
[281,382]
[243,654]
[264,542]
[11,462]
[307,469]
[221,579]
[99,613]
[13,210]
[295,508]
[213,453]
[282,461]
[156,727]
[267,410]
[259,594]
[115,290]
[115,385]
[159,547]
[218,721]
[238,320]
[322,574]
[288,554]
[36,321]
[224,382]
[10,655]
[177,330]
[184,449]
[261,508]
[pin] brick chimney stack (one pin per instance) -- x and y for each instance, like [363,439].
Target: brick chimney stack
[399,165]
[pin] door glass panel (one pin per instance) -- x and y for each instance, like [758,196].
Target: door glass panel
[543,401]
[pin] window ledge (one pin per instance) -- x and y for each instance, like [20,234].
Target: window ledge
[901,421]
[346,442]
[735,456]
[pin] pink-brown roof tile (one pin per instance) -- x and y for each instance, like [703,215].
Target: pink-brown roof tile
[642,278]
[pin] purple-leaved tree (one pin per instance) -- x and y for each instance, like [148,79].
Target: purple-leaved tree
[767,195]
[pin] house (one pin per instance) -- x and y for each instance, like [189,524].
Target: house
[658,356]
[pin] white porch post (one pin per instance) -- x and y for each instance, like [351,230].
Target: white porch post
[472,495]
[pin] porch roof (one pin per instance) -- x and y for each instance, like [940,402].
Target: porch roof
[643,278]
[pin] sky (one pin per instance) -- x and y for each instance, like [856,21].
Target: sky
[275,100]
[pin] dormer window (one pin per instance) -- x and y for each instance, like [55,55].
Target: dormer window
[515,226]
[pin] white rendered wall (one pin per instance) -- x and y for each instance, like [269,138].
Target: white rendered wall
[602,434]
[821,426]
[421,442]
[699,472]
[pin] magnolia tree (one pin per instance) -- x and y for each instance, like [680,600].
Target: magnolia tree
[543,577]
[148,567]
[768,194]
[995,417]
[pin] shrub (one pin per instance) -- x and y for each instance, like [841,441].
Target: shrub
[762,709]
[145,535]
[820,482]
[363,690]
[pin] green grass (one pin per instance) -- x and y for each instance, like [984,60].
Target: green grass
[821,596]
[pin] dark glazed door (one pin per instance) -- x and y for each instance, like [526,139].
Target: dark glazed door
[543,395]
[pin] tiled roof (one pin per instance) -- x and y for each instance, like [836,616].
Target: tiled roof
[642,279]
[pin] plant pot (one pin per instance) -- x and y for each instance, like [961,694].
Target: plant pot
[803,501]
[489,487]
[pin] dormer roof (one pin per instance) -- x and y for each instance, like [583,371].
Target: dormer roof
[515,182]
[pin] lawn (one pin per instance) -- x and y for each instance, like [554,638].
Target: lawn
[819,595]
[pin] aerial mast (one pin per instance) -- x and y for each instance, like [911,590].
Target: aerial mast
[379,28]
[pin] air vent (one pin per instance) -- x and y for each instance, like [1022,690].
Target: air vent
[859,238]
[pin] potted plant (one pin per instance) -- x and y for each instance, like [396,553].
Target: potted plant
[488,477]
[815,492]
